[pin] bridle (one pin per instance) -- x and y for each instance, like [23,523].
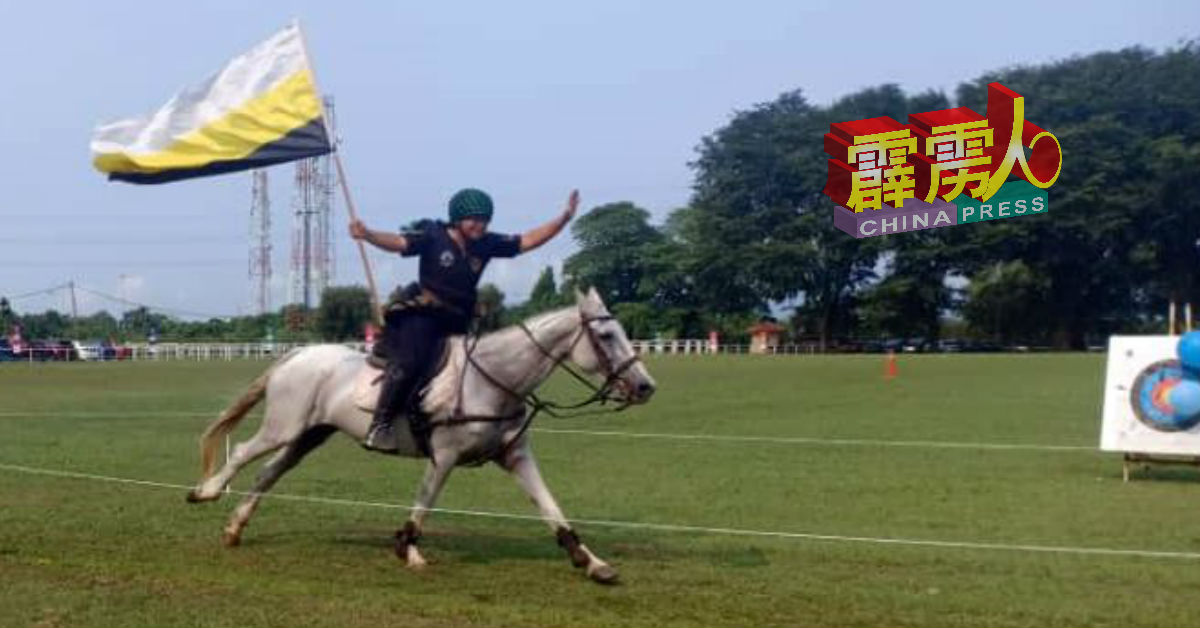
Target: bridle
[533,404]
[602,393]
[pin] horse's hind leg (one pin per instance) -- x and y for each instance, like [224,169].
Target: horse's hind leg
[245,452]
[275,468]
[520,463]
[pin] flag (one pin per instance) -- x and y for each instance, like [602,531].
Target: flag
[262,108]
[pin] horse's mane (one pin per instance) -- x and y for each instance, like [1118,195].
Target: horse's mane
[493,340]
[492,347]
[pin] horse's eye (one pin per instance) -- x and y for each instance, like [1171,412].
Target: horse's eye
[606,336]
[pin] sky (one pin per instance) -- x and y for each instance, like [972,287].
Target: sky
[526,100]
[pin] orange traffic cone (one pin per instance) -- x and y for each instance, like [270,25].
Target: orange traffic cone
[889,370]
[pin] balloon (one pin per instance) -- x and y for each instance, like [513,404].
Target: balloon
[1189,350]
[1185,399]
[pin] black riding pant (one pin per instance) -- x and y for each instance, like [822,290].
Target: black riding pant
[412,342]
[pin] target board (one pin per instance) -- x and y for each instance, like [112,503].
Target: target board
[1138,415]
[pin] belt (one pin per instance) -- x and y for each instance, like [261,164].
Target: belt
[424,299]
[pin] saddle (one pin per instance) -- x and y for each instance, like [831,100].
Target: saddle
[368,382]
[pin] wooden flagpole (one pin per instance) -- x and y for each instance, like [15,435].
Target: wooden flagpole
[376,309]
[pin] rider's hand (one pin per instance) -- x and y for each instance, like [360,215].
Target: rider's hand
[358,230]
[572,205]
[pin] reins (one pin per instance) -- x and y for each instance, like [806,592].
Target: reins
[532,403]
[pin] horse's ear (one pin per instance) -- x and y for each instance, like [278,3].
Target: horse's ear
[594,296]
[579,298]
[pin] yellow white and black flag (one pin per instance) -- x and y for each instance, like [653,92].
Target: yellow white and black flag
[262,108]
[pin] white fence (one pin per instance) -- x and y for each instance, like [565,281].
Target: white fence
[211,351]
[703,347]
[167,351]
[160,352]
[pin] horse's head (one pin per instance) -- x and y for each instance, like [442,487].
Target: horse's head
[606,351]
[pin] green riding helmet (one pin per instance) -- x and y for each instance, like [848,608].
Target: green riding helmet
[470,203]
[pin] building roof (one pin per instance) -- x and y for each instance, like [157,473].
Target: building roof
[766,327]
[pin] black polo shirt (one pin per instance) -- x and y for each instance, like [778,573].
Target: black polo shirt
[449,272]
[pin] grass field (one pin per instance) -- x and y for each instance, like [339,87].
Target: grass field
[868,459]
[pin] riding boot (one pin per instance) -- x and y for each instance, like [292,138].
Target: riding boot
[382,434]
[418,425]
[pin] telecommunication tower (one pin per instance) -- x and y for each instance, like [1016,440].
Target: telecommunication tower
[312,210]
[260,242]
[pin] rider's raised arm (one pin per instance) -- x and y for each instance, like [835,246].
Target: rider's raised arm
[388,241]
[540,235]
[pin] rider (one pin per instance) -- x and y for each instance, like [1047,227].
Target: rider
[453,256]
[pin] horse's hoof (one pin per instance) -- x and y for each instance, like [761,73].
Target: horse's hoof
[230,539]
[194,496]
[604,574]
[413,559]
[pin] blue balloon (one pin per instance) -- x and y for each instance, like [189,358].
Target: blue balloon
[1189,350]
[1185,399]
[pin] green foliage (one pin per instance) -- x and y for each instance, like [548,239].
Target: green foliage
[7,317]
[137,324]
[763,230]
[490,306]
[343,313]
[545,293]
[1120,238]
[1007,301]
[1119,241]
[49,324]
[613,242]
[638,319]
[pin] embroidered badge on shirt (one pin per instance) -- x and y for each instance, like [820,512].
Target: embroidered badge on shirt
[446,259]
[476,264]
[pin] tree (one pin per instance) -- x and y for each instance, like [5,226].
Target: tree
[636,318]
[343,312]
[911,300]
[545,293]
[490,306]
[8,317]
[49,324]
[1122,228]
[762,230]
[1008,301]
[613,240]
[100,325]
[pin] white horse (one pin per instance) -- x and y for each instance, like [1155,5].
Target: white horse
[476,403]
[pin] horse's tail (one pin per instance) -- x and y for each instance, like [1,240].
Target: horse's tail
[211,439]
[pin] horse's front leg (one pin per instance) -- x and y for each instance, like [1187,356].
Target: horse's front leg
[520,463]
[427,494]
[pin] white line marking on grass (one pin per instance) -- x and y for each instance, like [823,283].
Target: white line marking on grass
[727,438]
[801,440]
[661,527]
